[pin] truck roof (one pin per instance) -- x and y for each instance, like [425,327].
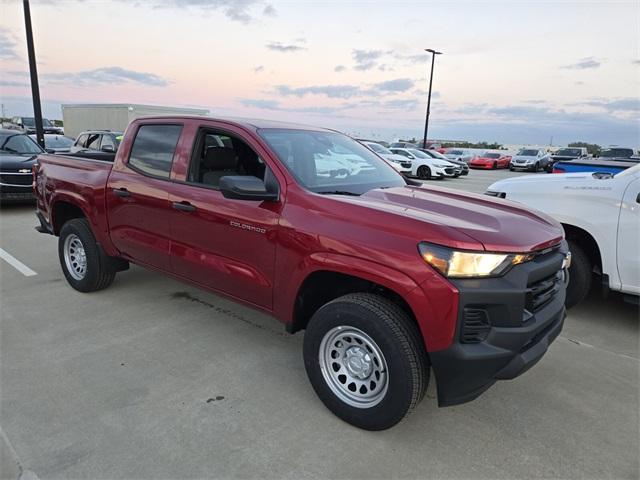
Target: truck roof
[249,123]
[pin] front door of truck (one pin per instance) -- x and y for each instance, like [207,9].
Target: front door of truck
[629,238]
[222,244]
[138,207]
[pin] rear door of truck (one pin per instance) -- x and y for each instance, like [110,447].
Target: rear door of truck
[137,198]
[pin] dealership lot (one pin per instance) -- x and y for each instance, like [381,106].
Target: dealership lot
[153,378]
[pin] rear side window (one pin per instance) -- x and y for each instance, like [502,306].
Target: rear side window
[153,149]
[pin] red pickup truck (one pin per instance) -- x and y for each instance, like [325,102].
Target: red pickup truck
[388,278]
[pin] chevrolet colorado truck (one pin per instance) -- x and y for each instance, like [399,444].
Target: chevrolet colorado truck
[389,279]
[600,213]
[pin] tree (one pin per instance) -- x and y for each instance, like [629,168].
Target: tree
[592,148]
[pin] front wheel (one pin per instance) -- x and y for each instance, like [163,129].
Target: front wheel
[580,276]
[365,359]
[424,172]
[494,166]
[84,264]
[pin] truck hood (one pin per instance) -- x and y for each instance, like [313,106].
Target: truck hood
[471,221]
[534,181]
[11,162]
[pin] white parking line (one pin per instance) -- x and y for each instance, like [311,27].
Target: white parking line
[17,264]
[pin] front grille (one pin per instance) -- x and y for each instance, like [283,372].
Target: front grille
[475,325]
[405,164]
[448,171]
[19,179]
[540,293]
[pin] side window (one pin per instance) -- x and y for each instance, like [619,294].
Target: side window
[82,140]
[153,149]
[93,142]
[107,141]
[217,155]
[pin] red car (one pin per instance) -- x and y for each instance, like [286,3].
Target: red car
[390,280]
[491,160]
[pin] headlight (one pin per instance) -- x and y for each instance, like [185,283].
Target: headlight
[441,165]
[460,264]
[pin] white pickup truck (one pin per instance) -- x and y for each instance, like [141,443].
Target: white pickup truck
[600,214]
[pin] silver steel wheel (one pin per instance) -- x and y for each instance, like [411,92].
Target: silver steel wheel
[75,257]
[353,366]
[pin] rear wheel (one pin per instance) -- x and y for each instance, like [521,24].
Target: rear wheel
[84,264]
[424,172]
[366,361]
[580,276]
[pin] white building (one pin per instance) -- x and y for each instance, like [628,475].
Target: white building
[113,116]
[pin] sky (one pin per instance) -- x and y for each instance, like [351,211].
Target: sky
[511,71]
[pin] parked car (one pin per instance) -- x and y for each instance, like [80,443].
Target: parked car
[617,153]
[403,162]
[97,141]
[491,160]
[426,167]
[566,155]
[28,125]
[390,280]
[17,157]
[403,145]
[464,167]
[55,143]
[460,154]
[530,159]
[600,214]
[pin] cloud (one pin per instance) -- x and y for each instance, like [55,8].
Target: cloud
[106,76]
[281,47]
[269,11]
[584,64]
[331,91]
[258,69]
[237,10]
[397,85]
[13,83]
[366,59]
[259,103]
[401,104]
[339,68]
[630,104]
[635,62]
[7,45]
[413,59]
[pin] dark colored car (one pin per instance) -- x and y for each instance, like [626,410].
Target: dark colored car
[617,153]
[389,280]
[97,141]
[28,125]
[54,143]
[17,156]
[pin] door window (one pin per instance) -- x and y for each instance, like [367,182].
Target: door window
[218,155]
[107,141]
[93,142]
[153,149]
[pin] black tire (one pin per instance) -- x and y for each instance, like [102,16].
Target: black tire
[536,167]
[511,169]
[100,270]
[494,166]
[424,172]
[580,276]
[398,338]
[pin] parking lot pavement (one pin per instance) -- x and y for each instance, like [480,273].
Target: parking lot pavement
[155,379]
[478,180]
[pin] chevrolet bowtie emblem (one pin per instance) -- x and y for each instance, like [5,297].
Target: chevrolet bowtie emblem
[24,170]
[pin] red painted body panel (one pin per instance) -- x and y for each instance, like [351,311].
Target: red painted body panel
[487,163]
[260,253]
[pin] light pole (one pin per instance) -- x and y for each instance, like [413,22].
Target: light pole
[35,89]
[426,121]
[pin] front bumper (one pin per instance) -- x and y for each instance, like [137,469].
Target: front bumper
[16,186]
[505,326]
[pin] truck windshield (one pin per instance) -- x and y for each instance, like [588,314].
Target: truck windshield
[569,152]
[328,162]
[18,143]
[31,122]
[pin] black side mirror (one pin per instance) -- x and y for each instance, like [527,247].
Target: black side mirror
[107,149]
[248,188]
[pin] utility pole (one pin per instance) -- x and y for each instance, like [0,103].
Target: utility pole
[35,89]
[426,121]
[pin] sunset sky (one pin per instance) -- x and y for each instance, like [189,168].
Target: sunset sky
[512,72]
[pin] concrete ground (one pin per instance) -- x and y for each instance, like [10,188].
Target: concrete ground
[152,378]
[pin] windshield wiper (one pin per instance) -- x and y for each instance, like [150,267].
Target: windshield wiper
[339,192]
